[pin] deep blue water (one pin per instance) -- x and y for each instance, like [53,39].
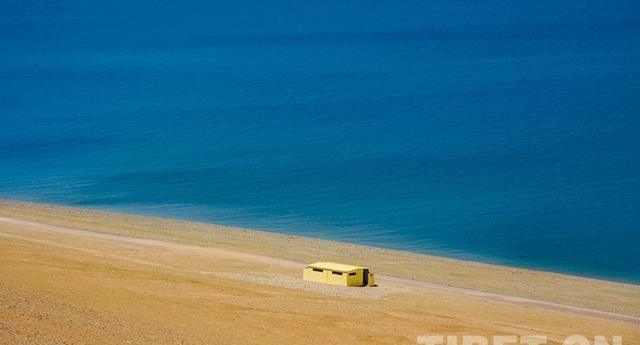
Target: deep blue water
[499,131]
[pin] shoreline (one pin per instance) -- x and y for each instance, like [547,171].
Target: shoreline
[368,293]
[72,275]
[603,295]
[474,259]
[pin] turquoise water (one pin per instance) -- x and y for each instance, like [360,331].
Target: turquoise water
[488,130]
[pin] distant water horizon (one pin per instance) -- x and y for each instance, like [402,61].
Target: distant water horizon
[487,131]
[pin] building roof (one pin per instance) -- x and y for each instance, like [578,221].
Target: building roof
[334,266]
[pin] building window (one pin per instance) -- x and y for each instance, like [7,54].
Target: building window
[317,270]
[336,273]
[352,273]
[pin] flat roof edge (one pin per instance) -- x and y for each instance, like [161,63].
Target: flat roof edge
[334,266]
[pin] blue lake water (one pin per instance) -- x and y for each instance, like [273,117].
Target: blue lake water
[496,131]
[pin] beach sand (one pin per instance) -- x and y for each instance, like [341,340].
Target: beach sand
[78,276]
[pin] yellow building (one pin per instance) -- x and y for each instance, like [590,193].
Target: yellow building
[338,274]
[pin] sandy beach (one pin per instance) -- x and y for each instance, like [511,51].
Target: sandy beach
[78,276]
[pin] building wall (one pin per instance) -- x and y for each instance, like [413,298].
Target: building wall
[329,277]
[311,275]
[336,278]
[355,279]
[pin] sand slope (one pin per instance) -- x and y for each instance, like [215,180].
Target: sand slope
[65,278]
